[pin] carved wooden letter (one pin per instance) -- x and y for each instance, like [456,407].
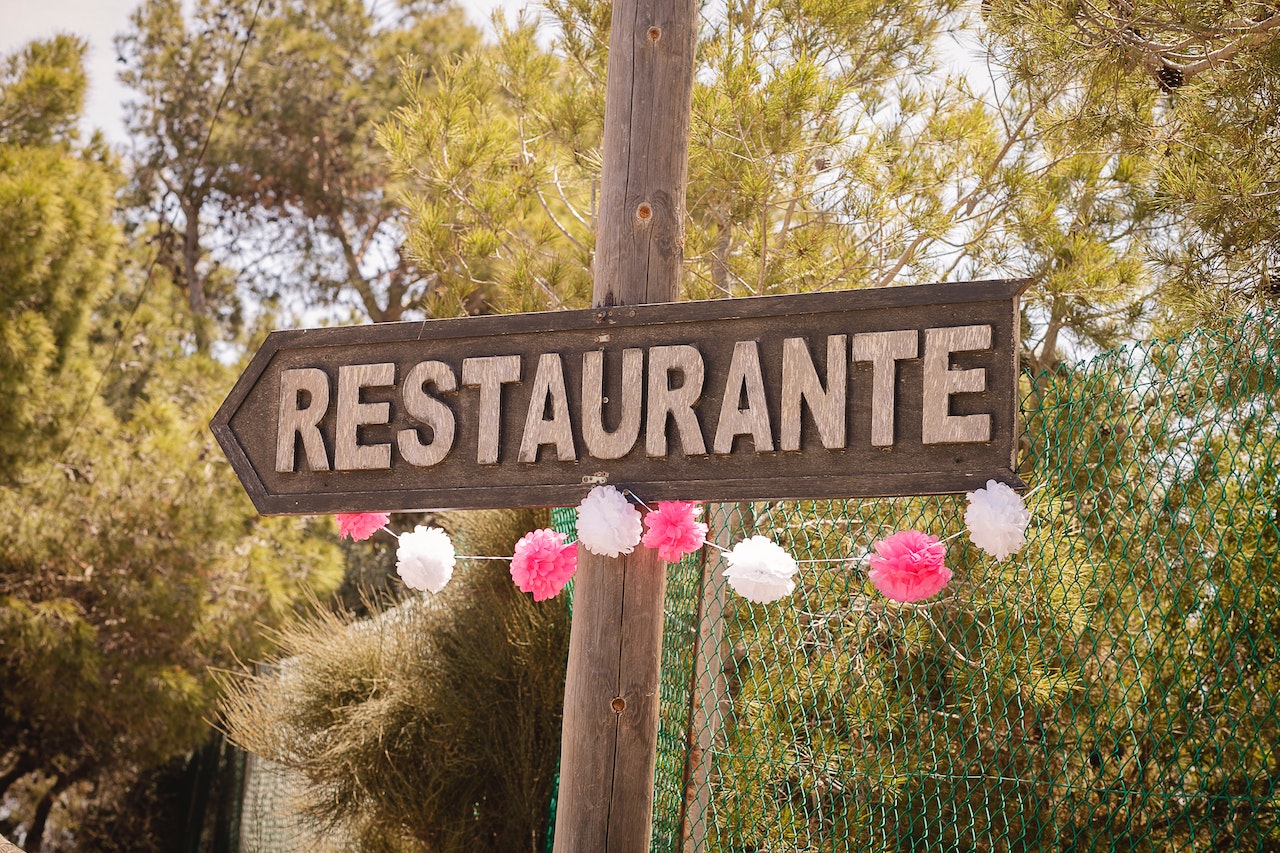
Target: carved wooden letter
[348,453]
[800,383]
[744,372]
[490,372]
[428,411]
[600,443]
[939,426]
[884,350]
[676,402]
[294,422]
[548,384]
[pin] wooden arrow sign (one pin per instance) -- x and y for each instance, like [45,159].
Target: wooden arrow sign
[899,391]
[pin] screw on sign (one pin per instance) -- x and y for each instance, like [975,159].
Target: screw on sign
[898,391]
[901,391]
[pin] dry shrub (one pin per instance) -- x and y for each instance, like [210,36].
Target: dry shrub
[434,726]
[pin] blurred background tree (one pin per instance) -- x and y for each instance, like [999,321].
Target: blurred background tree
[286,186]
[1191,87]
[131,562]
[57,249]
[1119,156]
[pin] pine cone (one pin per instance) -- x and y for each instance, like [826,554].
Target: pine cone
[1169,78]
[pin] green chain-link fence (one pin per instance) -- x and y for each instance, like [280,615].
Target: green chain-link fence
[1111,687]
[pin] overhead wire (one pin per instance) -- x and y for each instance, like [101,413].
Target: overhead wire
[166,233]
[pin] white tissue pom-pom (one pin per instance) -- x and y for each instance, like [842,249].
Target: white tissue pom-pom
[425,558]
[607,524]
[997,519]
[760,570]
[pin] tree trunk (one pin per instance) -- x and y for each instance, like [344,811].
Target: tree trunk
[191,274]
[609,744]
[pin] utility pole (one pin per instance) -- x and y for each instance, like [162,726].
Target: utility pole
[609,745]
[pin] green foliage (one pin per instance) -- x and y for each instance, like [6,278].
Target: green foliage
[130,559]
[498,155]
[1173,448]
[810,167]
[42,91]
[433,726]
[129,573]
[57,243]
[1112,686]
[255,122]
[1190,87]
[859,723]
[827,151]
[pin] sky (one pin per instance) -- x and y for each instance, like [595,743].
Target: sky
[99,21]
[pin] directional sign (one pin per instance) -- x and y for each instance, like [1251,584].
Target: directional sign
[899,391]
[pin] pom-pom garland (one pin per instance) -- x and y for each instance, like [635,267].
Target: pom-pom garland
[997,519]
[760,570]
[607,524]
[908,566]
[359,526]
[543,563]
[425,559]
[674,530]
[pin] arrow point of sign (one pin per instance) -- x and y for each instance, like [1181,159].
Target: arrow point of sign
[221,422]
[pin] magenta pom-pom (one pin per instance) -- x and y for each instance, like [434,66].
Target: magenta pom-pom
[674,530]
[543,563]
[361,525]
[908,566]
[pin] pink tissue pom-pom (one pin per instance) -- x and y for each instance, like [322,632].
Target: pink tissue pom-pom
[543,563]
[907,566]
[361,525]
[674,530]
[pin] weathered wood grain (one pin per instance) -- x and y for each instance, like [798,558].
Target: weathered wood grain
[938,425]
[709,703]
[884,350]
[602,443]
[349,453]
[609,746]
[489,373]
[826,400]
[429,413]
[842,379]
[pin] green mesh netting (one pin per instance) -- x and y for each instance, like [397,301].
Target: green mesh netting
[1111,687]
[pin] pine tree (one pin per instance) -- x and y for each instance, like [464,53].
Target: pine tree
[1190,87]
[821,158]
[255,126]
[131,562]
[57,244]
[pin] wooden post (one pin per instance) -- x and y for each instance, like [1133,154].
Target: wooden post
[609,745]
[708,697]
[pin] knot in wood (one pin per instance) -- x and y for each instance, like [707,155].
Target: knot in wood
[618,704]
[654,34]
[644,212]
